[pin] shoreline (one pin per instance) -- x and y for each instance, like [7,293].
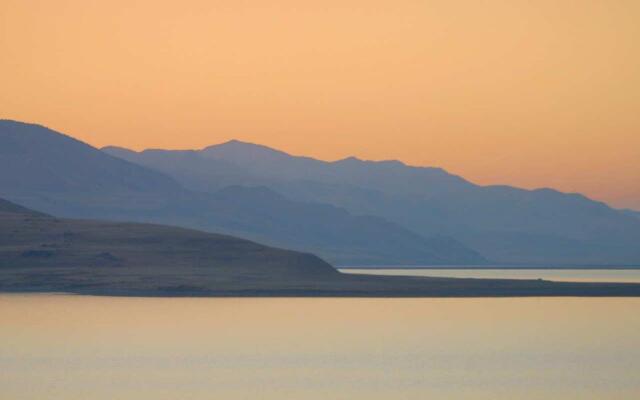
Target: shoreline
[138,283]
[493,267]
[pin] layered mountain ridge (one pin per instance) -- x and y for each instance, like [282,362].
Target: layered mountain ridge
[350,211]
[51,172]
[505,224]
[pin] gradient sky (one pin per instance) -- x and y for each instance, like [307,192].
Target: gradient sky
[529,93]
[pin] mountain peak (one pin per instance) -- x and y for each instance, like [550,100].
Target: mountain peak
[116,150]
[36,159]
[356,160]
[239,150]
[350,159]
[239,144]
[19,123]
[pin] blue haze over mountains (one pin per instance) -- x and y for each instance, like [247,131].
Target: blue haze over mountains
[56,174]
[348,212]
[632,213]
[505,224]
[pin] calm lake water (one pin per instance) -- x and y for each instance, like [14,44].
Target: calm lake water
[82,347]
[575,275]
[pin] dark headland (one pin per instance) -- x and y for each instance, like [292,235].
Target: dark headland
[42,253]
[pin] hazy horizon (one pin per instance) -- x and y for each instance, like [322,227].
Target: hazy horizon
[632,207]
[611,204]
[526,94]
[354,199]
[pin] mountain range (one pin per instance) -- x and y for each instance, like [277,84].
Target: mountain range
[507,225]
[54,173]
[349,212]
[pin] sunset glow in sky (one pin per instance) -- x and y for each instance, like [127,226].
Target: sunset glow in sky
[527,93]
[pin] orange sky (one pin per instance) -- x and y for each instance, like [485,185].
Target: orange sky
[529,93]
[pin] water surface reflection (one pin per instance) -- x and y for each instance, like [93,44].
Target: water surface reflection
[80,347]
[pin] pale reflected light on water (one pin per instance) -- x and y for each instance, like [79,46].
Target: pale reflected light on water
[560,275]
[82,347]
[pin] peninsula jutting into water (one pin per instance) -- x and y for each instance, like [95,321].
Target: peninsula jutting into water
[41,253]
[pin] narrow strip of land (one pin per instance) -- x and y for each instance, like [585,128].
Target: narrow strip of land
[42,253]
[206,282]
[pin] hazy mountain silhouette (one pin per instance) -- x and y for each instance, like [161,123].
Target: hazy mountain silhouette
[630,212]
[246,163]
[506,224]
[54,173]
[361,239]
[39,159]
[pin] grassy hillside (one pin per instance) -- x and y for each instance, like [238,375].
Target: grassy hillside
[31,239]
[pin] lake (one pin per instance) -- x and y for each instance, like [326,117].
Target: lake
[567,275]
[83,347]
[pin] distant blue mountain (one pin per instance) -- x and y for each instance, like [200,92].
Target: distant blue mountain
[50,172]
[506,224]
[630,212]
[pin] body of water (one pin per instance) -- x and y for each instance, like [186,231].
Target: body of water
[83,347]
[575,275]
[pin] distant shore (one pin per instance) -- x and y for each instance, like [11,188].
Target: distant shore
[516,267]
[199,282]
